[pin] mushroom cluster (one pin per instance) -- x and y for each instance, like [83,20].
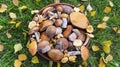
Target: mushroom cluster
[61,33]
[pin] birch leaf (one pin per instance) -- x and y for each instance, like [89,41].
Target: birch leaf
[93,13]
[18,24]
[106,18]
[115,29]
[102,25]
[8,35]
[1,27]
[95,48]
[101,63]
[17,47]
[12,22]
[82,8]
[15,2]
[109,58]
[107,43]
[89,8]
[3,8]
[17,63]
[28,43]
[106,49]
[118,31]
[34,11]
[13,16]
[1,47]
[22,57]
[23,7]
[107,9]
[111,3]
[35,60]
[84,63]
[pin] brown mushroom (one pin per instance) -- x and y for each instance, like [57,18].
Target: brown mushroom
[55,54]
[43,25]
[58,22]
[44,36]
[67,31]
[59,10]
[67,9]
[34,29]
[43,46]
[84,53]
[79,20]
[51,31]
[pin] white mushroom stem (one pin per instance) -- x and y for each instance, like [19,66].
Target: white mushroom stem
[72,36]
[64,24]
[58,30]
[59,14]
[74,53]
[37,36]
[86,41]
[45,49]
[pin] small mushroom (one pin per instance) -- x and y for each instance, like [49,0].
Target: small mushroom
[67,9]
[59,10]
[34,29]
[64,19]
[79,20]
[67,31]
[33,47]
[72,36]
[51,31]
[80,34]
[55,54]
[44,46]
[77,43]
[84,53]
[72,58]
[43,25]
[58,30]
[59,36]
[54,16]
[62,43]
[89,29]
[64,60]
[32,24]
[44,36]
[58,22]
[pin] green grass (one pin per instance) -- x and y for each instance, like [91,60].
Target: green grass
[7,57]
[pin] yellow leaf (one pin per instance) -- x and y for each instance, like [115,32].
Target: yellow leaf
[107,9]
[107,43]
[12,15]
[115,29]
[22,57]
[106,49]
[106,18]
[1,47]
[82,8]
[8,35]
[72,58]
[102,25]
[93,13]
[18,24]
[58,64]
[95,48]
[3,8]
[90,29]
[101,63]
[34,11]
[17,47]
[28,43]
[37,0]
[111,3]
[84,63]
[17,63]
[1,27]
[12,22]
[118,31]
[15,2]
[23,7]
[35,60]
[64,60]
[109,58]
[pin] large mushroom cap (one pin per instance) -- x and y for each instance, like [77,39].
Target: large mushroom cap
[55,54]
[79,20]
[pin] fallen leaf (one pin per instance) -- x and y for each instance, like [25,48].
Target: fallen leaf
[89,8]
[22,57]
[37,0]
[102,25]
[72,58]
[82,8]
[12,22]
[23,7]
[1,47]
[17,63]
[18,24]
[90,29]
[111,3]
[107,43]
[109,58]
[115,29]
[106,18]
[118,31]
[101,63]
[35,60]
[3,8]
[34,11]
[84,63]
[106,49]
[84,53]
[13,16]
[8,35]
[28,43]
[95,48]
[15,2]
[25,35]
[33,47]
[1,27]
[93,13]
[107,9]
[17,47]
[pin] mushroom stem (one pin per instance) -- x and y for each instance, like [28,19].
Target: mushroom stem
[74,53]
[59,14]
[37,36]
[50,63]
[64,24]
[86,41]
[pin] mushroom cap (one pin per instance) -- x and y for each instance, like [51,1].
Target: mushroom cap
[67,9]
[51,31]
[62,43]
[43,44]
[89,29]
[84,53]
[32,24]
[58,22]
[59,8]
[44,36]
[33,47]
[79,20]
[55,54]
[67,31]
[32,30]
[77,43]
[43,25]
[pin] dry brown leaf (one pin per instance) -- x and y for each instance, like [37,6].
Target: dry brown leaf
[84,53]
[17,63]
[101,63]
[1,47]
[22,57]
[3,8]
[16,2]
[33,47]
